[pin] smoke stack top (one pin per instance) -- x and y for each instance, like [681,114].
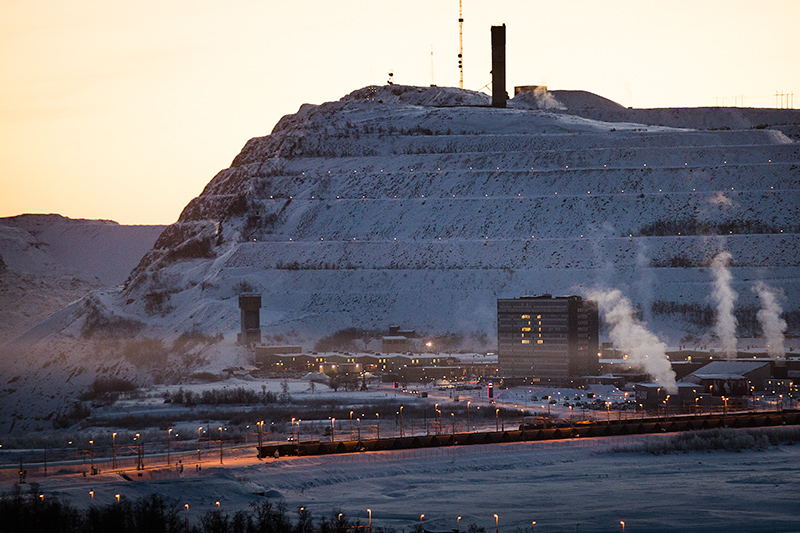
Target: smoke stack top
[499,94]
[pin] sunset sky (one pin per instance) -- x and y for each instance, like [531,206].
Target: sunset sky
[125,110]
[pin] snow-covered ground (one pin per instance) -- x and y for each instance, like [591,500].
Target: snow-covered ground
[562,486]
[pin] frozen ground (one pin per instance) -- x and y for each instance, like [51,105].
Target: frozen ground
[563,486]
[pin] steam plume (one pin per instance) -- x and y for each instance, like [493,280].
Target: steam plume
[769,316]
[644,349]
[724,297]
[644,280]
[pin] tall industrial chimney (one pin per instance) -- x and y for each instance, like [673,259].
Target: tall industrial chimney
[499,94]
[250,307]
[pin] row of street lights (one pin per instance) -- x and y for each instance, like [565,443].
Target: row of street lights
[369,511]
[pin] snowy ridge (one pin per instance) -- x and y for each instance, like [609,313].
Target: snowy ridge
[53,260]
[422,206]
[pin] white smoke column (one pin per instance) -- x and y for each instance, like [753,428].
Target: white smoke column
[644,349]
[644,280]
[724,297]
[546,100]
[769,316]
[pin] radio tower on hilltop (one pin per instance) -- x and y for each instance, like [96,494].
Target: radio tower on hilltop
[460,47]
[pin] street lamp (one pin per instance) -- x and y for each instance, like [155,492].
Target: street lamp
[351,425]
[117,497]
[333,429]
[198,442]
[140,459]
[220,445]
[370,519]
[91,456]
[496,423]
[169,434]
[458,521]
[622,523]
[496,523]
[260,437]
[533,524]
[114,450]
[378,429]
[468,421]
[420,519]
[402,432]
[91,494]
[359,429]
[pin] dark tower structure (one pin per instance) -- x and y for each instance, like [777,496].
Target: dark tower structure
[250,307]
[499,94]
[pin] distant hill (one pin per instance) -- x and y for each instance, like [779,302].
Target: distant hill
[420,206]
[51,260]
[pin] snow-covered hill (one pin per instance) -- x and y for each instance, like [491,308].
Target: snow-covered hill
[421,206]
[52,260]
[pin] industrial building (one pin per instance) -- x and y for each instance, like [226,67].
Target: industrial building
[546,339]
[250,310]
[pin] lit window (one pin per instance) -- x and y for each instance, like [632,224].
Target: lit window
[540,341]
[538,316]
[526,341]
[526,329]
[526,316]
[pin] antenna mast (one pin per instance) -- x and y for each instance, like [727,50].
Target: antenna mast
[460,47]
